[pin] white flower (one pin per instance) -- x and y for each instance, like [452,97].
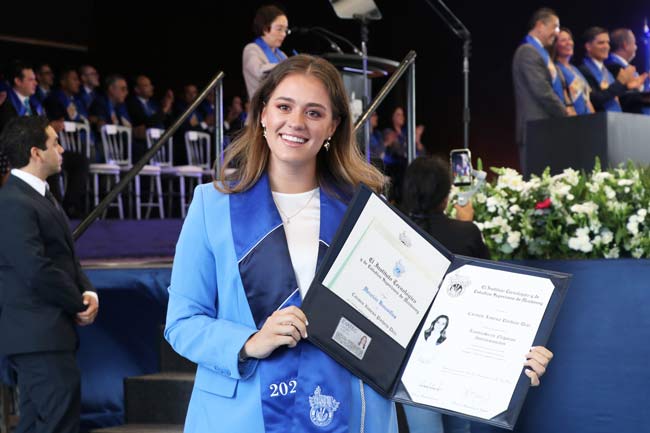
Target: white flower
[600,177]
[625,182]
[559,189]
[642,214]
[593,187]
[492,203]
[633,224]
[480,197]
[510,179]
[570,197]
[612,254]
[570,220]
[637,253]
[609,192]
[587,208]
[581,241]
[626,189]
[514,238]
[514,209]
[606,235]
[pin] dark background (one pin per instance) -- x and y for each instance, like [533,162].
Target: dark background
[191,41]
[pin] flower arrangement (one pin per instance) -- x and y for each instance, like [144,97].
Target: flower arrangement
[602,214]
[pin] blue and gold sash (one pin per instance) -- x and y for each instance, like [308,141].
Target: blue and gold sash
[577,87]
[556,82]
[301,389]
[605,81]
[273,56]
[34,105]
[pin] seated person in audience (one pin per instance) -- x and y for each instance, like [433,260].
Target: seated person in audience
[234,119]
[623,50]
[109,109]
[20,99]
[195,122]
[376,140]
[63,102]
[45,78]
[576,90]
[145,113]
[395,159]
[90,84]
[605,89]
[62,105]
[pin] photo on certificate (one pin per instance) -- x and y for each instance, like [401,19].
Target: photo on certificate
[425,327]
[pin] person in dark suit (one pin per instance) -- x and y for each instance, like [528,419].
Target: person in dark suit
[44,292]
[145,113]
[623,50]
[534,77]
[20,97]
[89,85]
[606,89]
[63,105]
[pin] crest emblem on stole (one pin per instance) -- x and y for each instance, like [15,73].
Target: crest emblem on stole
[322,408]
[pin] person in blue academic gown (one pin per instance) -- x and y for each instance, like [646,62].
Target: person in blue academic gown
[247,254]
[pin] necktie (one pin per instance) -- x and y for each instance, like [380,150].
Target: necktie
[604,84]
[50,197]
[28,107]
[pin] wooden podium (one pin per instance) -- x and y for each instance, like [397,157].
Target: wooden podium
[574,142]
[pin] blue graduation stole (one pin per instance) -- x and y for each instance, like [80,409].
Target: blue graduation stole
[615,60]
[273,56]
[556,82]
[570,75]
[76,113]
[86,98]
[34,105]
[302,389]
[120,112]
[612,104]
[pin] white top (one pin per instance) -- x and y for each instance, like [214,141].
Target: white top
[300,214]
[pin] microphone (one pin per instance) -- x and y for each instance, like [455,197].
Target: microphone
[356,50]
[306,30]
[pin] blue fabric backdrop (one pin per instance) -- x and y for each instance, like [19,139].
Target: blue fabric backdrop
[599,380]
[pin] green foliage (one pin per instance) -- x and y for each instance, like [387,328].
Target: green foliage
[601,214]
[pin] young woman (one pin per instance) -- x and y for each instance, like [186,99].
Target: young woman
[246,257]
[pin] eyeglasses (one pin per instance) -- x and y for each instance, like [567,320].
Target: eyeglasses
[282,29]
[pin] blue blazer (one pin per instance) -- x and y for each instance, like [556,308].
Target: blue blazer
[213,309]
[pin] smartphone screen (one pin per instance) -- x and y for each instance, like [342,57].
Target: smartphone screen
[461,167]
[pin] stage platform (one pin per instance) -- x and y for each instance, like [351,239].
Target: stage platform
[122,239]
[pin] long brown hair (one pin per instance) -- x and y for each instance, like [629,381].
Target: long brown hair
[341,168]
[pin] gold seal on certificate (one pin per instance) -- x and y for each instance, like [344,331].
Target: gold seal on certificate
[425,327]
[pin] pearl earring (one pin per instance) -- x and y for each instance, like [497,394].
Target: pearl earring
[327,144]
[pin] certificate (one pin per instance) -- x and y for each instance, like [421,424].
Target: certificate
[423,326]
[469,354]
[387,272]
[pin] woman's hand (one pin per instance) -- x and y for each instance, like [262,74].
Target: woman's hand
[284,327]
[537,360]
